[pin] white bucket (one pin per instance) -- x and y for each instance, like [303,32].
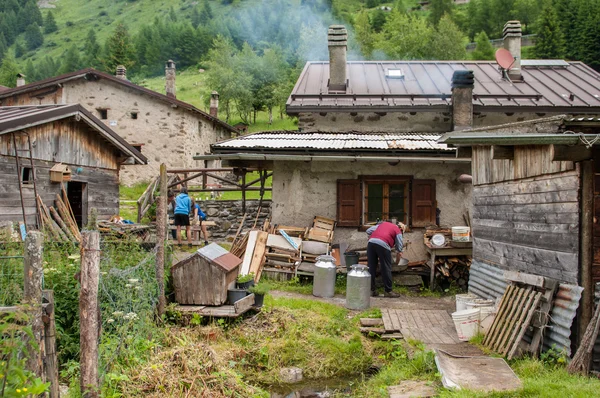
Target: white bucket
[466,323]
[477,303]
[461,234]
[486,318]
[462,300]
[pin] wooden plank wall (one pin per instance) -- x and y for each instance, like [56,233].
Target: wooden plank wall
[43,96]
[529,225]
[596,236]
[103,189]
[66,141]
[529,161]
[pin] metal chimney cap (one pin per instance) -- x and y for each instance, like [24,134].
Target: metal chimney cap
[512,28]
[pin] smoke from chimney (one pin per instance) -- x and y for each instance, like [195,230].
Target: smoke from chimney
[462,99]
[214,104]
[121,72]
[20,79]
[337,39]
[512,42]
[170,79]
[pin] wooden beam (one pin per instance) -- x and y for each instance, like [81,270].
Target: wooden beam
[573,153]
[32,297]
[464,152]
[161,237]
[586,241]
[503,152]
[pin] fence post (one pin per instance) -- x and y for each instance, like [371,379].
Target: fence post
[32,298]
[88,313]
[161,237]
[50,343]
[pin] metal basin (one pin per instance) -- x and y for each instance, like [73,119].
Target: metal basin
[403,264]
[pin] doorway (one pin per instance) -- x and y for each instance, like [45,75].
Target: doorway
[77,195]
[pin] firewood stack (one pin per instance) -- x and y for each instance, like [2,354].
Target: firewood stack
[453,270]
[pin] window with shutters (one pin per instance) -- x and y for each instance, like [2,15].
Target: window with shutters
[366,200]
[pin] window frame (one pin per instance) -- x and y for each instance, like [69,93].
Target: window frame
[386,181]
[102,113]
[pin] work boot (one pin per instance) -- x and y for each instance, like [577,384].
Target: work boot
[374,293]
[391,294]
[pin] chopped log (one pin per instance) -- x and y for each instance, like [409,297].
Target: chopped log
[369,322]
[370,330]
[62,224]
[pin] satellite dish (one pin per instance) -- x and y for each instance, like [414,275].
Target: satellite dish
[504,58]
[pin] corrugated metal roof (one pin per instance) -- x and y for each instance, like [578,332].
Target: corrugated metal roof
[428,84]
[220,256]
[488,282]
[281,140]
[15,118]
[544,62]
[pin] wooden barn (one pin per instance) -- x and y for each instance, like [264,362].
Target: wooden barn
[536,210]
[45,148]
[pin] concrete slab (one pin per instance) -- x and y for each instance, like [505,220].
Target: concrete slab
[412,388]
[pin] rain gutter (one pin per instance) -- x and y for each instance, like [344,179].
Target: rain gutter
[316,158]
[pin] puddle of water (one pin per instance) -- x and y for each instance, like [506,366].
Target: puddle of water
[320,388]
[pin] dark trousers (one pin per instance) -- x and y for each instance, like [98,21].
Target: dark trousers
[377,253]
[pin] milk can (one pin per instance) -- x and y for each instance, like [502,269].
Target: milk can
[358,288]
[324,278]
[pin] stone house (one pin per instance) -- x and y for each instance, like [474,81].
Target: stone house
[536,210]
[165,129]
[367,147]
[36,139]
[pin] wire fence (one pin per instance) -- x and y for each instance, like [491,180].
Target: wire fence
[11,277]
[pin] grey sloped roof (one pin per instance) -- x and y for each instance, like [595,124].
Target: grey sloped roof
[332,141]
[427,85]
[15,118]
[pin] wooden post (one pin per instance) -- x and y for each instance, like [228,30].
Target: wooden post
[161,237]
[50,343]
[32,298]
[88,313]
[244,191]
[586,245]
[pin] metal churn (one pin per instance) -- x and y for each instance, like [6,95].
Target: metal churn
[324,277]
[358,288]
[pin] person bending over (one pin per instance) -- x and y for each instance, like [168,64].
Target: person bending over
[183,207]
[198,217]
[382,237]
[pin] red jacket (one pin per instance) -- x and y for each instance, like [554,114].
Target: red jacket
[386,231]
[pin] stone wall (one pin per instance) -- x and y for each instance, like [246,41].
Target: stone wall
[228,214]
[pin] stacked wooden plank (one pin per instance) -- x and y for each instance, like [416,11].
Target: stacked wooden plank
[525,304]
[321,230]
[58,220]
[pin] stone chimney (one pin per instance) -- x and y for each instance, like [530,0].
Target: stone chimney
[20,79]
[121,72]
[337,40]
[214,104]
[512,42]
[170,79]
[462,99]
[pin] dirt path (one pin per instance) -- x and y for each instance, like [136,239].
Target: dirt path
[403,302]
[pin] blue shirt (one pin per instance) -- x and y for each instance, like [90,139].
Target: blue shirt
[399,241]
[183,204]
[201,214]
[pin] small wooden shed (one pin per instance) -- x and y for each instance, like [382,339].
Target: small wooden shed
[204,277]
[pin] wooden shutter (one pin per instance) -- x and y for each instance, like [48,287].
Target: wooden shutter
[349,200]
[423,203]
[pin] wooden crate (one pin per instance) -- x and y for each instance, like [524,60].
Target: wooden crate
[204,277]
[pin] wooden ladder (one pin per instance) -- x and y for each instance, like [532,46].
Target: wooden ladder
[20,175]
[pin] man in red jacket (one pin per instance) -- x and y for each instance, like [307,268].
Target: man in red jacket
[382,237]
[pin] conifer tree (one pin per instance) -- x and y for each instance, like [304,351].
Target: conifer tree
[484,50]
[207,14]
[91,51]
[3,46]
[19,50]
[195,17]
[378,20]
[50,23]
[70,60]
[119,50]
[8,71]
[30,71]
[438,8]
[550,43]
[33,37]
[589,41]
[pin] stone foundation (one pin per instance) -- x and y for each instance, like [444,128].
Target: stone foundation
[228,214]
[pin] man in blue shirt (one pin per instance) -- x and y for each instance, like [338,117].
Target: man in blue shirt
[183,208]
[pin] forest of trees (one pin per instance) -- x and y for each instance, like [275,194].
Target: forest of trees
[253,51]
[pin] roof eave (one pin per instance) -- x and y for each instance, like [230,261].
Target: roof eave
[511,139]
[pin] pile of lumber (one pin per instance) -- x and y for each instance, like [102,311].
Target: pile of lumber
[453,270]
[58,220]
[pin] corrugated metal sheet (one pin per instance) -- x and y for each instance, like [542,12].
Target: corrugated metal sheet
[428,84]
[336,141]
[220,256]
[544,62]
[488,282]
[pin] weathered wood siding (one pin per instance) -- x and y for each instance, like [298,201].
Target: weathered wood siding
[66,141]
[530,225]
[529,161]
[43,96]
[102,189]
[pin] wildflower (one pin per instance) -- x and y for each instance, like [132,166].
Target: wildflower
[138,288]
[130,316]
[103,273]
[128,285]
[133,280]
[110,320]
[74,257]
[117,313]
[18,391]
[24,389]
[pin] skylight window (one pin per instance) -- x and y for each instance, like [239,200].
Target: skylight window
[394,73]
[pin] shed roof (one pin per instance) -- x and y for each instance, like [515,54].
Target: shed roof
[4,88]
[15,118]
[426,85]
[219,256]
[332,141]
[93,74]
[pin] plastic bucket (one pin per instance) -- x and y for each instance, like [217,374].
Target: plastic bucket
[477,303]
[462,299]
[461,234]
[351,259]
[486,318]
[466,323]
